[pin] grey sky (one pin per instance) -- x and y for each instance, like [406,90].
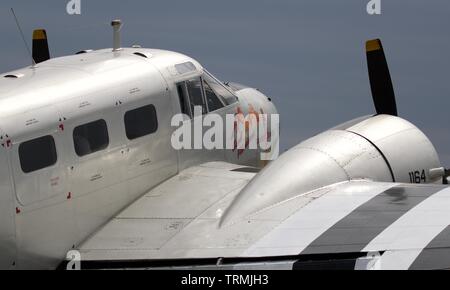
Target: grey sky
[308,55]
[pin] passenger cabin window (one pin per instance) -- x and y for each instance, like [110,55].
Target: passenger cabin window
[90,137]
[140,122]
[37,154]
[194,88]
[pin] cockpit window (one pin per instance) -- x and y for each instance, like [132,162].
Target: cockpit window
[195,94]
[214,102]
[219,88]
[184,99]
[185,67]
[206,92]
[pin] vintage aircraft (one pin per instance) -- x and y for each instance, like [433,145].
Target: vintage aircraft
[89,170]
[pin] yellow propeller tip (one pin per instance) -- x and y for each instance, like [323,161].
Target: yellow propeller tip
[39,34]
[372,45]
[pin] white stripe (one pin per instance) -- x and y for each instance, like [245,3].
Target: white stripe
[409,235]
[294,234]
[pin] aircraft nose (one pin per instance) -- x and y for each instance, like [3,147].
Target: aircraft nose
[254,97]
[236,86]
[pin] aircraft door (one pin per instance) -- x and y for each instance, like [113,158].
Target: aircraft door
[34,149]
[150,157]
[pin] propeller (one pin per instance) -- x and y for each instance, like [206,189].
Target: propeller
[446,178]
[380,79]
[40,46]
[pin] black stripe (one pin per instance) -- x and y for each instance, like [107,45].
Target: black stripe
[338,261]
[379,151]
[436,254]
[298,261]
[360,227]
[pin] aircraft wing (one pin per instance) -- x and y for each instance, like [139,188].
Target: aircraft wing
[350,225]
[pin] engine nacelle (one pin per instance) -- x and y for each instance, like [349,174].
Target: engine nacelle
[381,148]
[408,153]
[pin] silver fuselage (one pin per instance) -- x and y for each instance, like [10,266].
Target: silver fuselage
[47,212]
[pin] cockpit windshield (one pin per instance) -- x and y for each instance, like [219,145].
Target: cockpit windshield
[219,88]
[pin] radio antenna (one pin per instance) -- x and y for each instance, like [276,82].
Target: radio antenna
[23,36]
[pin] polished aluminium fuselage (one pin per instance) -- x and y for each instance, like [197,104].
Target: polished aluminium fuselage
[45,213]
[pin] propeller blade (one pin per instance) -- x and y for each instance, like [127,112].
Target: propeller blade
[40,46]
[380,80]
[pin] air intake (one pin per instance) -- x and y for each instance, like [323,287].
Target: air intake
[140,54]
[13,76]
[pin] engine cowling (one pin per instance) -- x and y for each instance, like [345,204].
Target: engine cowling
[381,148]
[407,151]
